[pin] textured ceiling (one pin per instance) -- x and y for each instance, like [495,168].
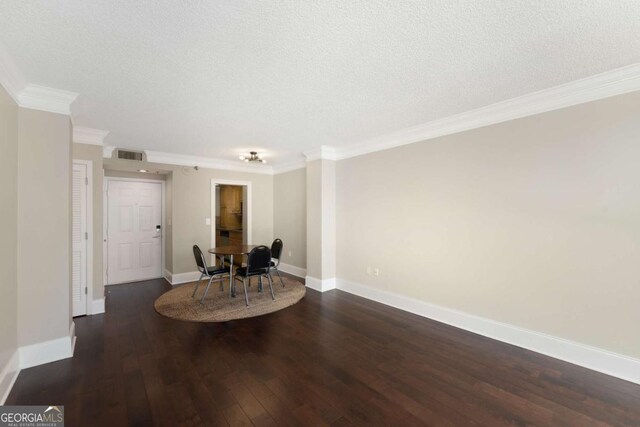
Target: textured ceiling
[214,78]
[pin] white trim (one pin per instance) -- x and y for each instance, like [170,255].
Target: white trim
[599,86]
[168,276]
[206,162]
[288,167]
[248,208]
[107,151]
[47,99]
[10,76]
[48,351]
[72,336]
[324,152]
[607,362]
[180,278]
[8,376]
[91,136]
[292,269]
[320,285]
[89,166]
[105,222]
[29,95]
[97,306]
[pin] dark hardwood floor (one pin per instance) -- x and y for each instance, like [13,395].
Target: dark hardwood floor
[332,359]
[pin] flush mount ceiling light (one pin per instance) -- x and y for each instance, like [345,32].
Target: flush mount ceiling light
[253,157]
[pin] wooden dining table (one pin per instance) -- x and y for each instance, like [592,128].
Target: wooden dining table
[232,250]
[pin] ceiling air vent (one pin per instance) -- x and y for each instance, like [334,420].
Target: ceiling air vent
[131,155]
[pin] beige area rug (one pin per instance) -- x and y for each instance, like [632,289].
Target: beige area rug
[218,307]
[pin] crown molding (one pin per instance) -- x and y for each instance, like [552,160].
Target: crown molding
[47,99]
[85,135]
[10,77]
[290,166]
[324,152]
[600,86]
[107,151]
[206,162]
[32,96]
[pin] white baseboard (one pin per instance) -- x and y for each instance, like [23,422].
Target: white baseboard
[48,351]
[168,276]
[97,306]
[320,285]
[292,269]
[604,361]
[179,278]
[72,336]
[8,376]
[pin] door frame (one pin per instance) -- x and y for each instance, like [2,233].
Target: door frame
[248,207]
[89,210]
[105,221]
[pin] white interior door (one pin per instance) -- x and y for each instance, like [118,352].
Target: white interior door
[134,235]
[79,238]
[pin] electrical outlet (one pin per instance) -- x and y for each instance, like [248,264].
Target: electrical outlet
[289,253]
[207,221]
[376,272]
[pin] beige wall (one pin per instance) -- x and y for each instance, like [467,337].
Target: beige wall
[94,154]
[8,231]
[44,226]
[190,195]
[328,219]
[290,215]
[533,222]
[321,219]
[314,219]
[168,233]
[134,175]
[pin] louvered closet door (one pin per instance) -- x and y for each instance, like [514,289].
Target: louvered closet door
[79,237]
[133,233]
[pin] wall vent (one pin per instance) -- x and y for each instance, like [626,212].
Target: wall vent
[130,155]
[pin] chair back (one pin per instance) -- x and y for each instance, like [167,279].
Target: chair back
[276,249]
[200,261]
[259,259]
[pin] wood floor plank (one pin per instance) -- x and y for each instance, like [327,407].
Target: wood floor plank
[332,359]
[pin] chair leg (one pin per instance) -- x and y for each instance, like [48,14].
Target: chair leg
[196,289]
[259,283]
[278,273]
[271,287]
[233,287]
[246,297]
[206,290]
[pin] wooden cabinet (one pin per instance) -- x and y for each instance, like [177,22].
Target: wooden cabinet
[231,207]
[229,228]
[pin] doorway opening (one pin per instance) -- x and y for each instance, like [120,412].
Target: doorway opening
[231,213]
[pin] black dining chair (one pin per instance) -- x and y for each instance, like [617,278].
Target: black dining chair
[258,263]
[276,253]
[214,273]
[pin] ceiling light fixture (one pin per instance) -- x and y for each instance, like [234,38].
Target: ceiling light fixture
[253,157]
[143,170]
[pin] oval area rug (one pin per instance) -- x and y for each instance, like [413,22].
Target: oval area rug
[218,307]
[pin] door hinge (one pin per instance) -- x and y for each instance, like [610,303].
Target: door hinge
[86,235]
[85,290]
[86,180]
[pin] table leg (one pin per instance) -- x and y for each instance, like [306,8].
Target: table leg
[232,291]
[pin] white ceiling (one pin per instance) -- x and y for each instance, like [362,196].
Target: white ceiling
[218,78]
